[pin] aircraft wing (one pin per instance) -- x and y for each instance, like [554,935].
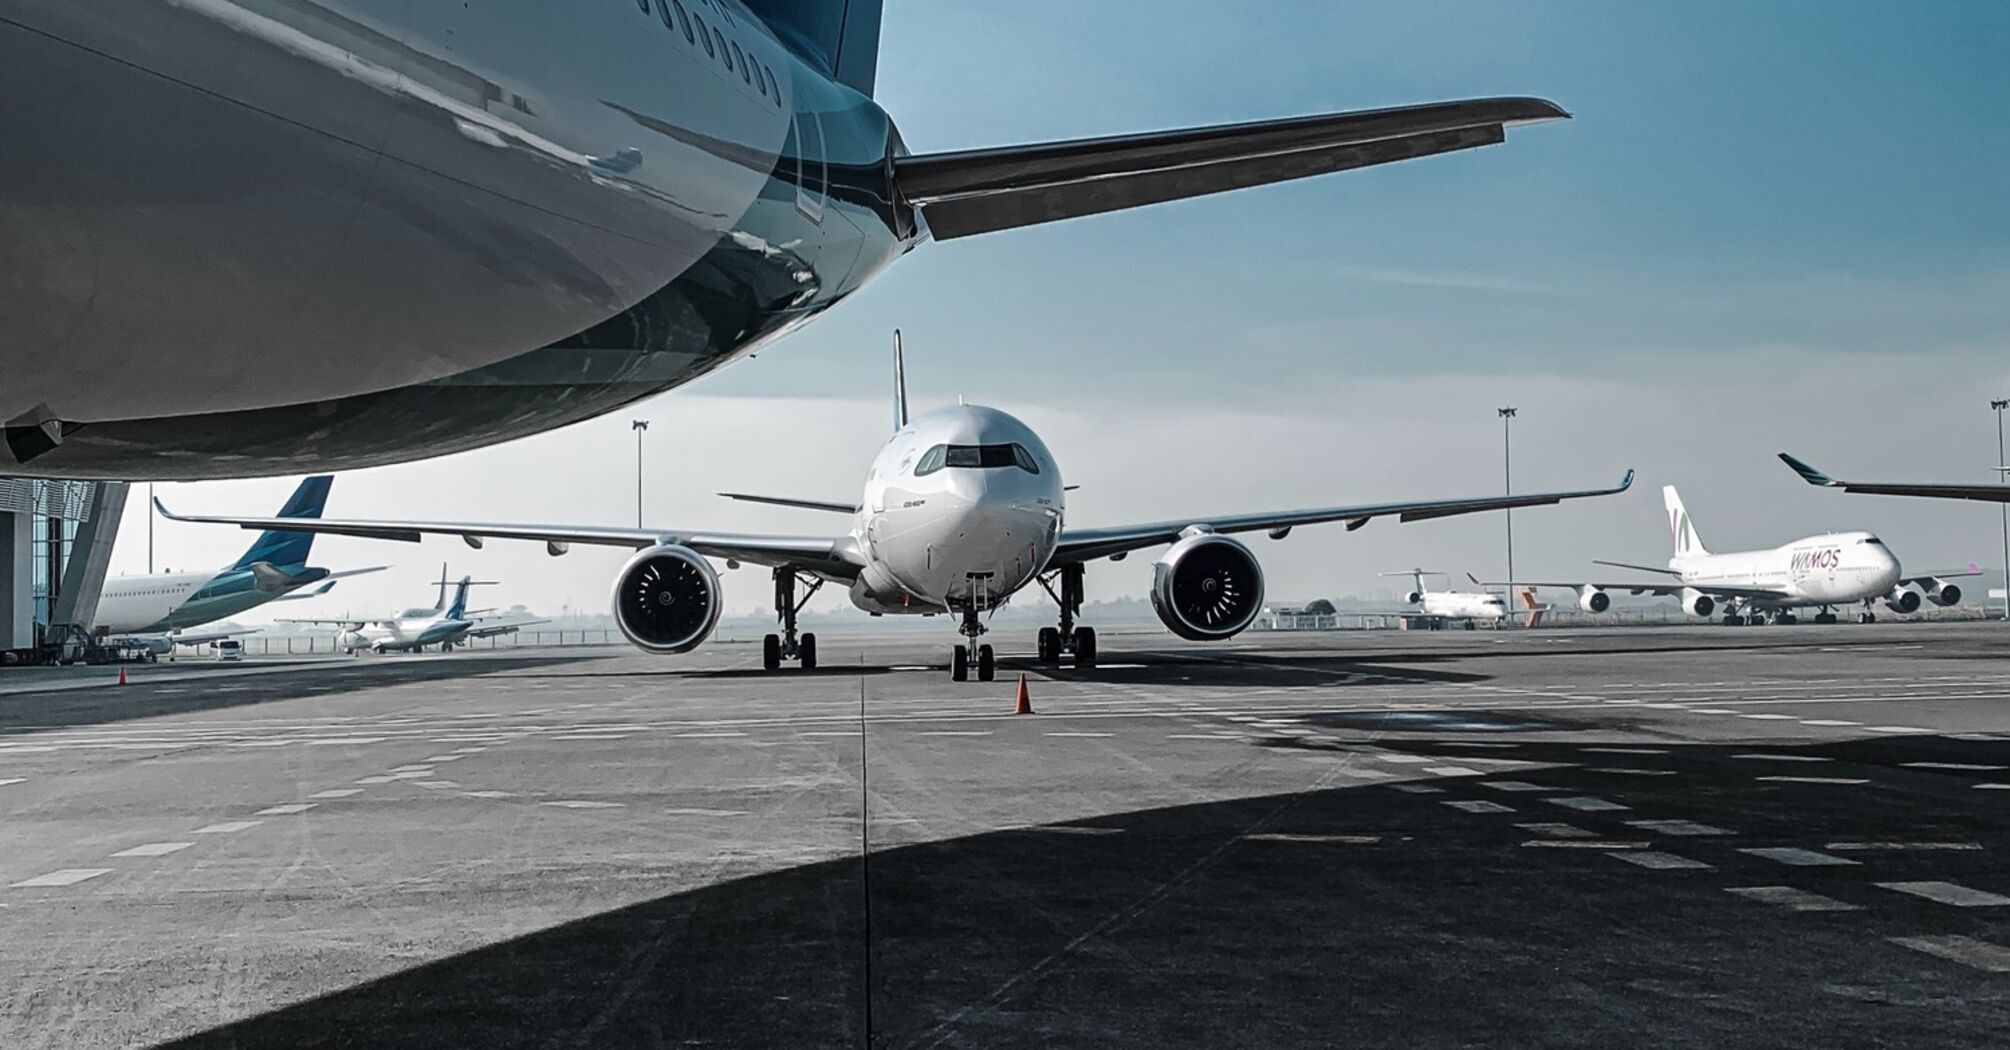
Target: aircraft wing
[799,504]
[979,191]
[206,637]
[1080,545]
[484,630]
[1986,493]
[1921,581]
[835,557]
[351,623]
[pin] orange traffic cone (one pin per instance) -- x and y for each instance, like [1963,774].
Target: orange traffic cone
[122,676]
[1024,706]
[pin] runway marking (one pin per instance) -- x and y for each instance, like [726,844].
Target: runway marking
[1628,771]
[1418,789]
[1079,734]
[1625,750]
[489,794]
[1712,711]
[228,827]
[1992,787]
[436,759]
[846,732]
[65,877]
[469,750]
[1968,951]
[332,740]
[1761,756]
[4,781]
[600,736]
[709,736]
[1897,729]
[1452,771]
[1479,806]
[1767,716]
[1658,861]
[1216,737]
[337,793]
[1828,722]
[415,774]
[1405,760]
[576,803]
[1949,893]
[1664,707]
[1514,785]
[1847,846]
[955,732]
[1597,844]
[1963,766]
[1792,899]
[1585,803]
[1561,831]
[154,849]
[694,811]
[288,809]
[1799,858]
[412,769]
[1677,827]
[436,783]
[1815,780]
[1338,840]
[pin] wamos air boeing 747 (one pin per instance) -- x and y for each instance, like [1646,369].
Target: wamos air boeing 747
[962,509]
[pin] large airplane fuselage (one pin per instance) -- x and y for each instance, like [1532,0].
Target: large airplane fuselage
[1462,605]
[1831,569]
[442,225]
[162,602]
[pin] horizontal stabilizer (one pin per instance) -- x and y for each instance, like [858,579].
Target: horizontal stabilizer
[979,191]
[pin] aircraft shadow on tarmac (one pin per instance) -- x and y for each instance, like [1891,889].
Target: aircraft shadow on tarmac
[1331,916]
[70,708]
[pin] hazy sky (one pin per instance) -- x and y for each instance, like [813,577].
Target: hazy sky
[1768,227]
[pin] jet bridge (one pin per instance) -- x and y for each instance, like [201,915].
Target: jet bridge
[55,547]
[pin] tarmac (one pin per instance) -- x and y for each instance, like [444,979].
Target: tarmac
[1693,836]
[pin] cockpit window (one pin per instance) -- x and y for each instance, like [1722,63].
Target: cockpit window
[977,456]
[1873,541]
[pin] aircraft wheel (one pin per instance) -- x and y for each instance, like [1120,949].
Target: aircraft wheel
[771,652]
[987,667]
[808,648]
[1049,645]
[959,664]
[1867,618]
[1825,617]
[1085,647]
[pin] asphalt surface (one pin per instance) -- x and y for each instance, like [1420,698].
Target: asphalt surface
[1674,837]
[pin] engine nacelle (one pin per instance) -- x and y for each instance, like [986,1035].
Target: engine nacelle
[349,640]
[1593,600]
[1207,588]
[666,599]
[1940,592]
[1414,597]
[1696,603]
[1901,600]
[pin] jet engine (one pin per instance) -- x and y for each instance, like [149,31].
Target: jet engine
[1414,597]
[349,640]
[1593,600]
[1940,592]
[666,599]
[1901,600]
[1207,588]
[1696,603]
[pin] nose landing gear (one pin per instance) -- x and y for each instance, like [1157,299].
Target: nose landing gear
[788,645]
[964,656]
[1067,638]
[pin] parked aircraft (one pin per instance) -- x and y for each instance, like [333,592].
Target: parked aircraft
[445,624]
[1822,572]
[497,219]
[158,608]
[963,508]
[1437,608]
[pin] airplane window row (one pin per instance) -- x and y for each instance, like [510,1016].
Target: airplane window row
[978,456]
[696,33]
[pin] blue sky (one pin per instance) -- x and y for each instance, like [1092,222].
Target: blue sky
[1769,226]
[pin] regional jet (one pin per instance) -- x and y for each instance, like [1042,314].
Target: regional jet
[1822,572]
[241,237]
[962,508]
[446,625]
[1437,608]
[155,610]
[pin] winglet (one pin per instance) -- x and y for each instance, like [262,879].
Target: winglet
[1809,474]
[1627,481]
[899,383]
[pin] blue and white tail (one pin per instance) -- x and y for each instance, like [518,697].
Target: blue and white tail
[1681,530]
[287,549]
[459,608]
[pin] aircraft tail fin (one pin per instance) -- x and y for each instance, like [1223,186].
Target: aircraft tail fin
[460,606]
[1680,528]
[291,548]
[840,37]
[899,383]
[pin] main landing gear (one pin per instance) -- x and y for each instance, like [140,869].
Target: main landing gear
[1826,615]
[788,645]
[1067,638]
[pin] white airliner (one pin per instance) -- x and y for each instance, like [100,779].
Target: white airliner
[498,218]
[1761,586]
[962,509]
[157,609]
[445,625]
[1436,608]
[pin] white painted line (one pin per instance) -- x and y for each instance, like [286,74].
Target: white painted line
[469,750]
[445,758]
[1993,787]
[1079,734]
[965,732]
[1897,729]
[286,810]
[1585,803]
[1816,780]
[847,732]
[1949,893]
[1342,840]
[1452,771]
[4,781]
[1713,711]
[573,803]
[336,740]
[1664,707]
[1827,722]
[1791,899]
[154,849]
[1418,789]
[413,769]
[1479,806]
[695,811]
[416,774]
[337,793]
[65,877]
[1554,830]
[708,736]
[1906,846]
[1677,827]
[1658,861]
[489,794]
[1799,858]
[228,827]
[1633,772]
[1968,951]
[603,736]
[1768,717]
[1625,750]
[1475,743]
[1761,756]
[1514,785]
[437,783]
[1963,766]
[1598,844]
[1406,760]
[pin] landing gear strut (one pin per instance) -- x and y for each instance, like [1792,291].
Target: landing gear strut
[788,645]
[1067,638]
[1826,615]
[965,655]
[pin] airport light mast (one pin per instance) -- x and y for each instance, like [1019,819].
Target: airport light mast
[2003,511]
[638,426]
[1507,486]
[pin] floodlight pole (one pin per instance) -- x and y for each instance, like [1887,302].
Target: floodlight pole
[2003,510]
[1507,484]
[638,426]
